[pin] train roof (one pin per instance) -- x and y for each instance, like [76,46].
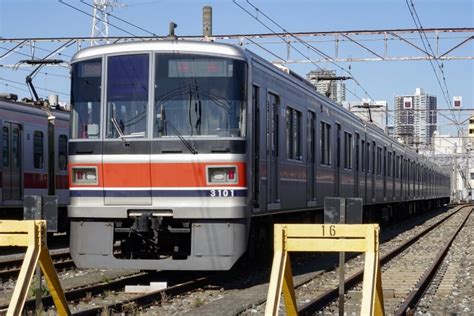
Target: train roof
[337,108]
[218,49]
[27,107]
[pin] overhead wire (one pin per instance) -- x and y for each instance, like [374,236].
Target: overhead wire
[120,19]
[40,72]
[427,45]
[14,87]
[44,89]
[313,48]
[275,33]
[289,43]
[88,14]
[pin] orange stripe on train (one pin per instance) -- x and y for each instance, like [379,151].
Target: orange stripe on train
[160,174]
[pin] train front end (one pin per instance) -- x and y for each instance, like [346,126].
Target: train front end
[158,156]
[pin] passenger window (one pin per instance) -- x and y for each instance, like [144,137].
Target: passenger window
[16,150]
[38,158]
[325,144]
[357,140]
[374,157]
[62,152]
[5,147]
[389,164]
[379,160]
[399,167]
[367,159]
[293,134]
[347,150]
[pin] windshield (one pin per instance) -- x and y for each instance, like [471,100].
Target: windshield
[199,96]
[85,98]
[127,95]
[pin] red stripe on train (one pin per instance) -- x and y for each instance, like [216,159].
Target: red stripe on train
[159,174]
[35,180]
[62,182]
[40,181]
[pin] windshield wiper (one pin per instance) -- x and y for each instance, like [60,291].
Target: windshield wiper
[122,136]
[176,131]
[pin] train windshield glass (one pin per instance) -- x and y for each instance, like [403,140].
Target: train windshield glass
[199,96]
[127,95]
[85,98]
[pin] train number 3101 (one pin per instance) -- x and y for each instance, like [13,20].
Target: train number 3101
[221,193]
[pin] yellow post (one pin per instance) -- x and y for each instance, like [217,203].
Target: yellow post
[324,238]
[31,234]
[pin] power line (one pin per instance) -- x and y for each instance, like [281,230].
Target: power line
[14,87]
[420,32]
[313,48]
[120,19]
[40,72]
[431,48]
[88,14]
[265,49]
[284,40]
[275,33]
[45,89]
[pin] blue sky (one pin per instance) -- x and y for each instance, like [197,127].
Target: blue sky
[383,80]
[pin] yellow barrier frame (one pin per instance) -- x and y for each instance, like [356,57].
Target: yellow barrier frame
[31,234]
[324,238]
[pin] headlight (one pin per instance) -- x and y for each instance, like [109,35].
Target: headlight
[222,175]
[84,175]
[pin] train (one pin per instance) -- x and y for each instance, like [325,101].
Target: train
[34,155]
[181,153]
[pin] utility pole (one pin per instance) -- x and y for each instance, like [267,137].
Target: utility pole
[100,19]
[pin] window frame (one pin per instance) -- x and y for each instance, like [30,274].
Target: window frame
[38,164]
[59,166]
[348,150]
[325,144]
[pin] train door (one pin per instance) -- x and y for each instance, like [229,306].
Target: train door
[126,161]
[337,183]
[272,149]
[256,146]
[12,188]
[311,160]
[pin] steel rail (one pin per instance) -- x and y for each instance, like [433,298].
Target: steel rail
[146,299]
[330,295]
[414,296]
[11,268]
[82,292]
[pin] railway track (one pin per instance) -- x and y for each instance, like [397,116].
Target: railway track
[451,289]
[406,270]
[312,278]
[109,296]
[10,268]
[103,296]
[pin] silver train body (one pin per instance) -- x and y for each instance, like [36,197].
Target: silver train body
[176,147]
[26,155]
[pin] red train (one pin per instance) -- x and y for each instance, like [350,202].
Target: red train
[34,159]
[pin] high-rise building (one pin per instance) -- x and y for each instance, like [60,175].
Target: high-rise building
[415,118]
[334,89]
[470,133]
